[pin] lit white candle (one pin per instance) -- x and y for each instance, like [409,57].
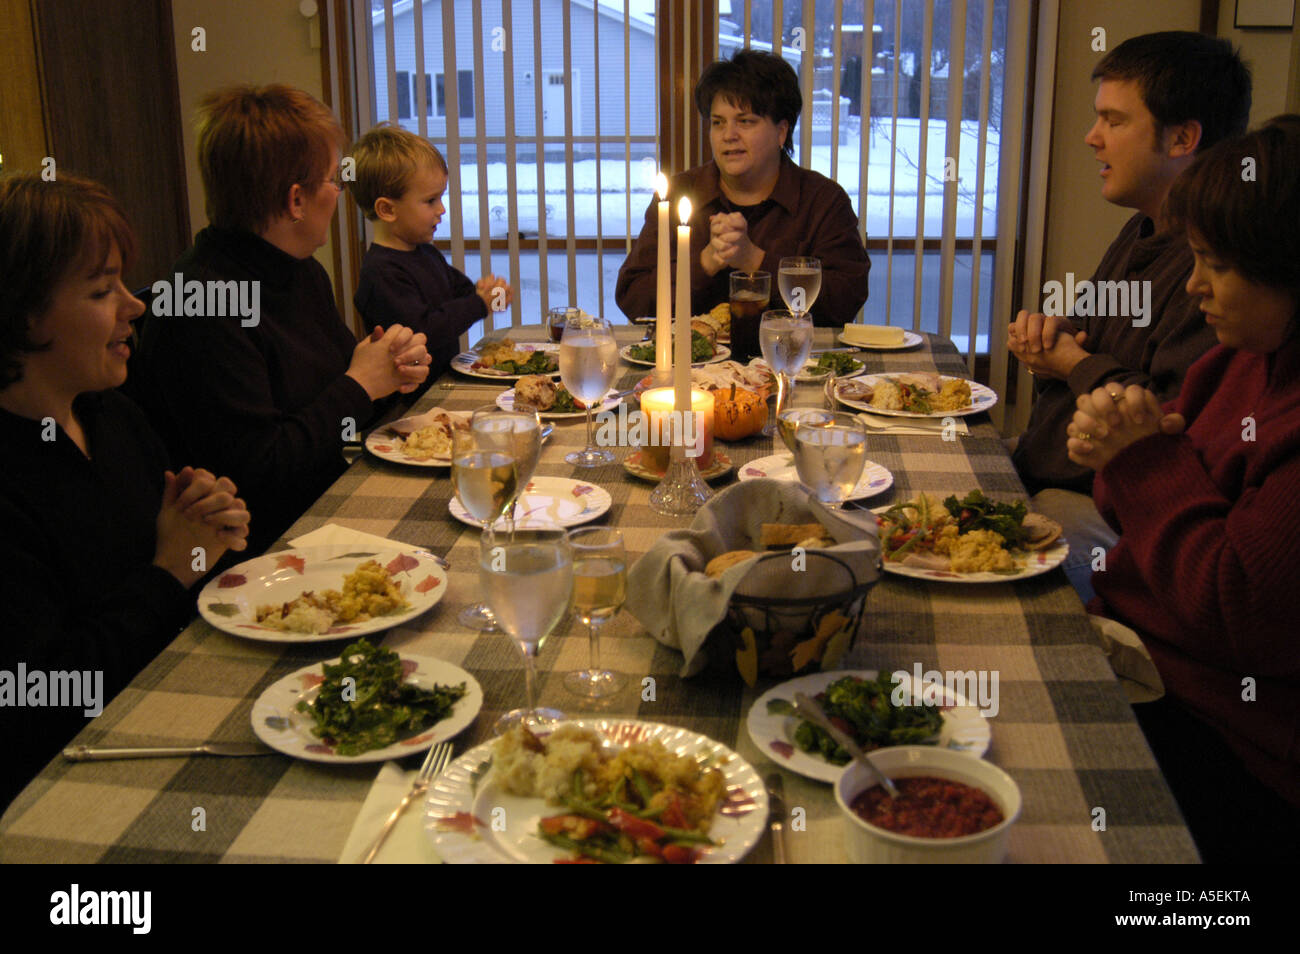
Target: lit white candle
[664,291]
[682,355]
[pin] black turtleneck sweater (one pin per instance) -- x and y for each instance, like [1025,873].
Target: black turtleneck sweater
[265,405]
[421,290]
[77,583]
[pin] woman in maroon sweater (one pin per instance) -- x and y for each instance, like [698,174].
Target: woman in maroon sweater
[1205,493]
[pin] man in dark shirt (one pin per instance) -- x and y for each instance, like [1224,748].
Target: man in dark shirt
[400,181]
[1162,97]
[752,206]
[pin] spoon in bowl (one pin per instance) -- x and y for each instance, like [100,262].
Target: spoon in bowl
[811,711]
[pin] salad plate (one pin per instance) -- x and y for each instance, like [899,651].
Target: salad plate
[964,728]
[875,478]
[548,502]
[277,721]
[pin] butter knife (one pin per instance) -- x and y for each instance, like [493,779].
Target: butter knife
[88,753]
[776,815]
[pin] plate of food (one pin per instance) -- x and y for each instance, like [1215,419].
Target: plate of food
[843,364]
[915,394]
[369,705]
[551,398]
[508,359]
[548,502]
[875,478]
[879,337]
[968,540]
[855,700]
[322,593]
[703,351]
[423,440]
[603,790]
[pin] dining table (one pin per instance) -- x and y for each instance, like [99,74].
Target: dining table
[1063,730]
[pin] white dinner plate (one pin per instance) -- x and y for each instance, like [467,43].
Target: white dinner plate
[278,723]
[386,443]
[875,479]
[721,354]
[506,401]
[1029,563]
[981,398]
[465,361]
[230,602]
[964,728]
[472,821]
[548,502]
[910,340]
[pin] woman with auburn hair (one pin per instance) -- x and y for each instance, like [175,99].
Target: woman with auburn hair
[267,392]
[99,542]
[1205,493]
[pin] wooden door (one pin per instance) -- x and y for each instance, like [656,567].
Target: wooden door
[94,87]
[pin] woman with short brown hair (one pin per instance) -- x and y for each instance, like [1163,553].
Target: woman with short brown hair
[269,394]
[100,540]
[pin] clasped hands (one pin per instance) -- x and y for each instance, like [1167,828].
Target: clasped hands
[1047,345]
[198,510]
[1111,418]
[729,245]
[392,360]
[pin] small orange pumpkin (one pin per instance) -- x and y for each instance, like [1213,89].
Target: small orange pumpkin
[738,413]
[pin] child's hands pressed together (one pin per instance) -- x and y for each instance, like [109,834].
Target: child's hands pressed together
[486,288]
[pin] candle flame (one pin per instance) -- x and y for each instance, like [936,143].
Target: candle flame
[684,210]
[661,186]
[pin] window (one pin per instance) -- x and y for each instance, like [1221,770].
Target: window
[464,95]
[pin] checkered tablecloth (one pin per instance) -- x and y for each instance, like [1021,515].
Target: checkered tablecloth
[1064,730]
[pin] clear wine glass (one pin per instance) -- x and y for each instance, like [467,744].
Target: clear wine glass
[599,589]
[517,432]
[588,363]
[829,456]
[800,282]
[785,340]
[485,480]
[528,581]
[790,419]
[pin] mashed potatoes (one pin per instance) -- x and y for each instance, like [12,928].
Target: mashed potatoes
[368,591]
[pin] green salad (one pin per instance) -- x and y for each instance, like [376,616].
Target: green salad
[365,702]
[540,362]
[864,711]
[701,349]
[838,362]
[565,403]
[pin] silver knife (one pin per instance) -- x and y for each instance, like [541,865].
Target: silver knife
[776,815]
[88,753]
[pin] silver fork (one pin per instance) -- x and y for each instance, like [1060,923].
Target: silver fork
[434,763]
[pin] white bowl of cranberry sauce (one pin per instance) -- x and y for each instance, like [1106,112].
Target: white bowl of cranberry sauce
[954,810]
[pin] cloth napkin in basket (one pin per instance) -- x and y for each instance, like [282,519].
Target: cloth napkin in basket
[678,605]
